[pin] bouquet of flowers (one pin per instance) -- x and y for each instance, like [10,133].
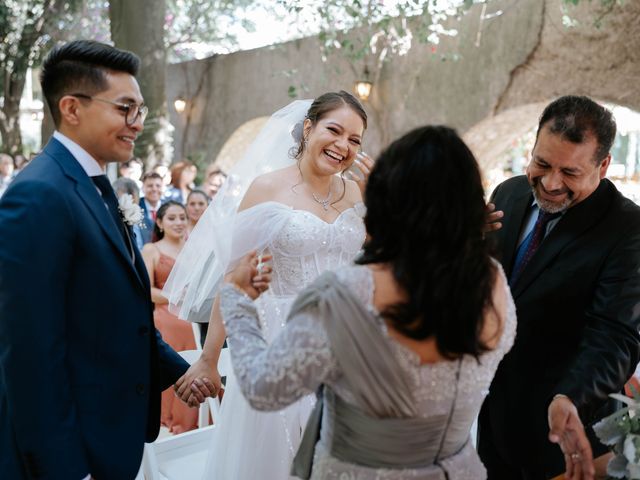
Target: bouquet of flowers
[621,431]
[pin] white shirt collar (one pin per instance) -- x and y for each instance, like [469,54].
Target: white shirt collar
[150,207]
[86,161]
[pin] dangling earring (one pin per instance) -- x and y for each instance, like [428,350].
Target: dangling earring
[305,143]
[161,229]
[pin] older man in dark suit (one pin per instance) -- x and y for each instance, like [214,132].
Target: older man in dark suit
[570,244]
[81,364]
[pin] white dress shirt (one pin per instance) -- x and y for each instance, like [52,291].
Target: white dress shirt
[86,161]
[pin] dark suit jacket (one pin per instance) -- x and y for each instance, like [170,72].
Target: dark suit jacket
[147,232]
[578,307]
[81,364]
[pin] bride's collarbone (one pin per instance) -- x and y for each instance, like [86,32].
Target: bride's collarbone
[300,202]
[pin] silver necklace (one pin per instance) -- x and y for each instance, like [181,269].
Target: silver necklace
[324,202]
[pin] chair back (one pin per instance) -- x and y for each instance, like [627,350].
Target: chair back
[183,456]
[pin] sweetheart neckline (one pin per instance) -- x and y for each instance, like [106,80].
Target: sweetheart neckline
[306,211]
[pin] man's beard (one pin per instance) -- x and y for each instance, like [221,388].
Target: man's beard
[547,205]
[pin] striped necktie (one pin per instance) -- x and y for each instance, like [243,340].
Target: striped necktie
[530,244]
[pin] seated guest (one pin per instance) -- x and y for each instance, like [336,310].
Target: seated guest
[401,347]
[197,202]
[133,170]
[214,179]
[183,175]
[152,189]
[164,173]
[127,186]
[169,231]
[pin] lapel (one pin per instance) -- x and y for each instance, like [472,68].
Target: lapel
[518,209]
[575,222]
[148,221]
[88,193]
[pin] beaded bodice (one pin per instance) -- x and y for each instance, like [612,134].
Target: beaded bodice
[306,246]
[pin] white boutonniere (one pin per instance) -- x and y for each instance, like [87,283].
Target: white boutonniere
[130,210]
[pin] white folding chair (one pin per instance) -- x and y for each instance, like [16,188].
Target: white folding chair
[183,456]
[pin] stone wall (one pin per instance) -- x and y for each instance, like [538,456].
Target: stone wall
[508,67]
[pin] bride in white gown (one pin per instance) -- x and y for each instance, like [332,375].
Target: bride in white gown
[309,219]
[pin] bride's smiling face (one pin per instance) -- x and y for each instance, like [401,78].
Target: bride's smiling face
[334,141]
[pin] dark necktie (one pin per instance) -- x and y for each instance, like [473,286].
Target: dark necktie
[530,244]
[109,197]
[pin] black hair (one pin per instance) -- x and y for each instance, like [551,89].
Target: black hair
[128,163]
[425,218]
[575,117]
[157,233]
[124,185]
[80,67]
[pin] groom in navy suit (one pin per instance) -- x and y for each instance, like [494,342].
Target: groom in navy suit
[81,364]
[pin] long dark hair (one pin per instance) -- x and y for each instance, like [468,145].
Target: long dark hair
[157,233]
[425,217]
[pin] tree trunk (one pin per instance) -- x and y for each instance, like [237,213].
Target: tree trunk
[10,117]
[138,26]
[14,75]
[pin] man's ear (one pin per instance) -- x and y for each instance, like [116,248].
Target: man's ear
[69,110]
[604,166]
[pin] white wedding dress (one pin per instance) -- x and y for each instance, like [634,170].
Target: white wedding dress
[249,444]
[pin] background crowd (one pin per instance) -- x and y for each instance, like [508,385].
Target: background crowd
[401,349]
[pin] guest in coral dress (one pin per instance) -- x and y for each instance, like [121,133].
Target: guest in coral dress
[169,236]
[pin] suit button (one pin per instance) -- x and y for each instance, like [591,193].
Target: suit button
[140,389]
[143,330]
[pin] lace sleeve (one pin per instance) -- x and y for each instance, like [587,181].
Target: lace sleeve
[274,376]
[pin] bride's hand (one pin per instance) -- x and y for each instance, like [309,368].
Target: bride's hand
[202,377]
[364,164]
[251,275]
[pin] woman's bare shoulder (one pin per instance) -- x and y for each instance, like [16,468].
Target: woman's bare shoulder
[265,187]
[150,251]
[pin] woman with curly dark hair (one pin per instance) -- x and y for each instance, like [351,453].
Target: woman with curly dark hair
[401,347]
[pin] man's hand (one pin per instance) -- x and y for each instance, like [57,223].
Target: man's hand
[493,218]
[201,380]
[566,429]
[251,275]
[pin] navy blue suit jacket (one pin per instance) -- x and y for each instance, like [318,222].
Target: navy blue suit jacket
[81,364]
[147,232]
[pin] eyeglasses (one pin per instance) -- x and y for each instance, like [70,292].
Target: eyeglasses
[131,110]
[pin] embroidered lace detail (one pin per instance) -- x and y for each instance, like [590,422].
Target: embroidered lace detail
[300,359]
[307,246]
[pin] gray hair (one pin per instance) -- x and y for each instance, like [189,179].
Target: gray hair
[125,185]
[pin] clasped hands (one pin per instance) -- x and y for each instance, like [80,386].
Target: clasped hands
[252,275]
